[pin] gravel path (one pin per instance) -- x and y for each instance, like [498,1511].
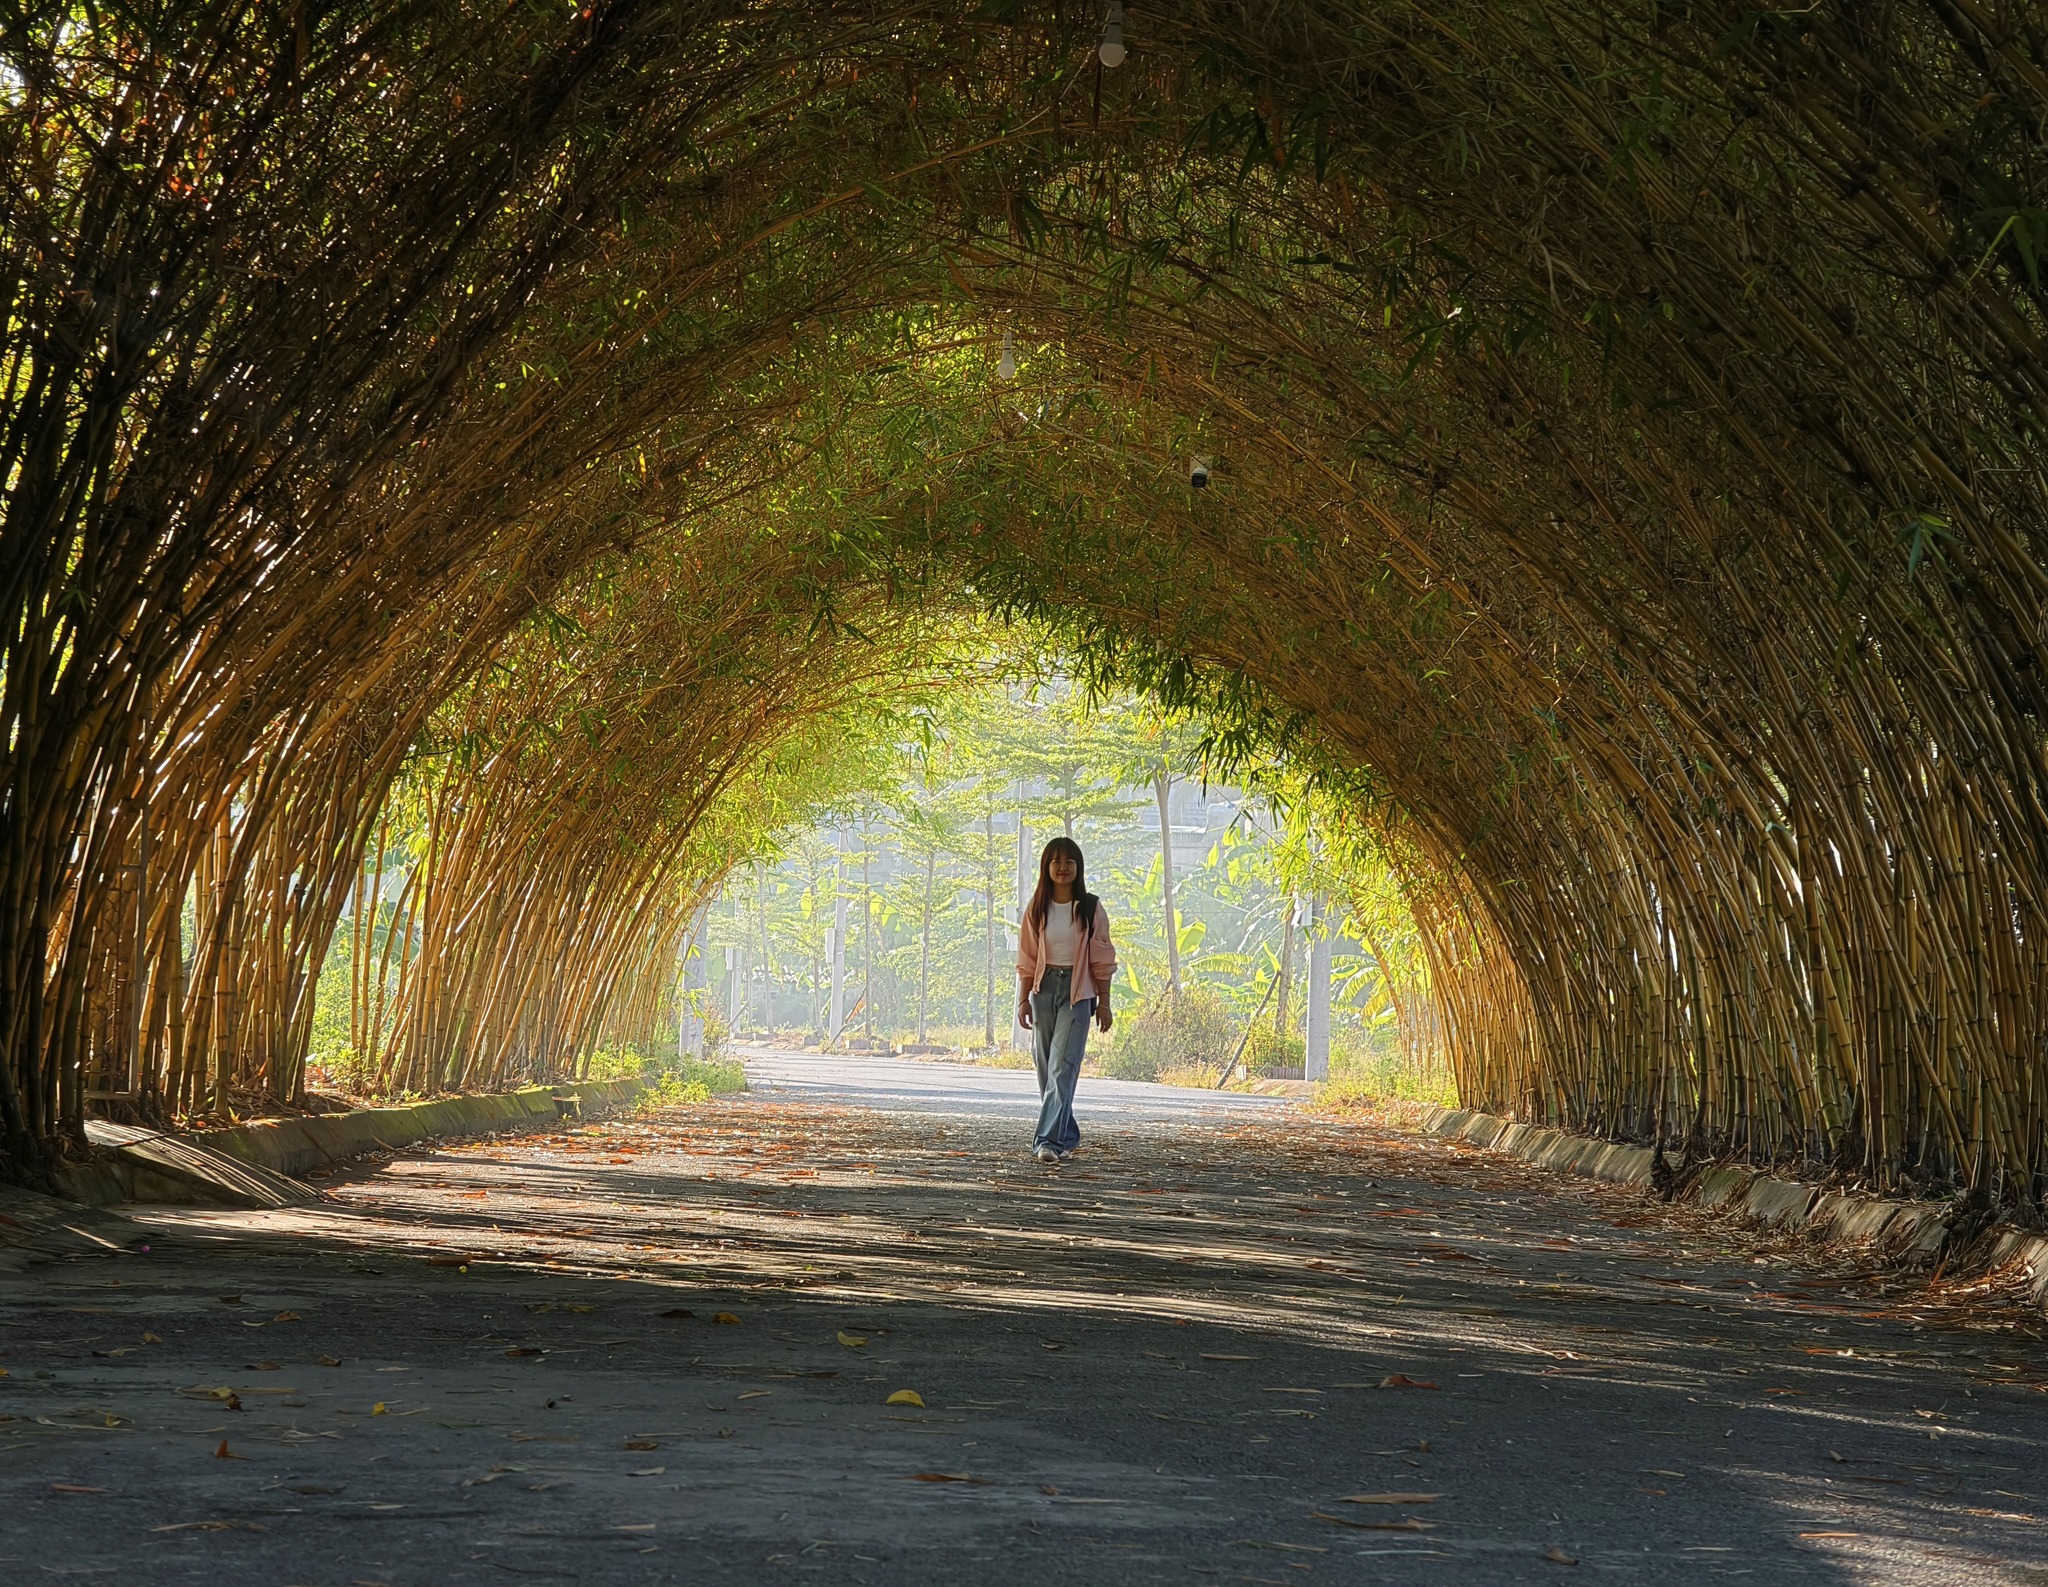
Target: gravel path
[1230,1342]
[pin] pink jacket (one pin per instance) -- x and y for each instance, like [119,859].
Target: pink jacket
[1091,976]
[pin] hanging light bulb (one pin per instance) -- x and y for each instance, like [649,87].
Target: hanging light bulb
[1111,51]
[1006,365]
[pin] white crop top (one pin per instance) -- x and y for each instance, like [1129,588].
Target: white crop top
[1062,936]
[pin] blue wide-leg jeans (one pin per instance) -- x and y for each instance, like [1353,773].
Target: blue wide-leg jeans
[1059,1040]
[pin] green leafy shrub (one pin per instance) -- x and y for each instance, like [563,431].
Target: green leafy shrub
[693,1080]
[1369,1072]
[717,1030]
[1192,1032]
[1271,1050]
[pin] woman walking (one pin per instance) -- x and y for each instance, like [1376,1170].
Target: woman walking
[1065,962]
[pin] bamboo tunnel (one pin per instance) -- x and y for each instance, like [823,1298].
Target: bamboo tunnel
[1625,423]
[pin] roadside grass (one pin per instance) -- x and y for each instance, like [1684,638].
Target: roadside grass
[1382,1083]
[693,1080]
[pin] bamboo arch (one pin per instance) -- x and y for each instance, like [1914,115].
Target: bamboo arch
[1626,419]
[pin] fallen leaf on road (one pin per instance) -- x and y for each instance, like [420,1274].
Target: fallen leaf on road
[377,1409]
[1390,1498]
[851,1341]
[724,1317]
[1401,1380]
[524,1350]
[262,1366]
[906,1397]
[330,1361]
[1558,1556]
[286,1316]
[73,1487]
[754,1394]
[151,1339]
[1406,1524]
[1044,1488]
[641,1443]
[225,1453]
[1830,1534]
[651,1471]
[1206,1356]
[950,1476]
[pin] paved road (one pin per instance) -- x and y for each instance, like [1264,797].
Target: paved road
[665,1352]
[898,1085]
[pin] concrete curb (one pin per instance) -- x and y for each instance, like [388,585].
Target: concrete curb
[263,1163]
[37,1228]
[300,1145]
[1897,1233]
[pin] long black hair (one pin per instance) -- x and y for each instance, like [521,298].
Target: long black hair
[1041,899]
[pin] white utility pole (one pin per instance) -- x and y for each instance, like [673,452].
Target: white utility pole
[1162,785]
[690,1028]
[836,944]
[1026,881]
[1317,1061]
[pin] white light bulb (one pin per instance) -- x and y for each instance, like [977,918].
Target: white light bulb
[1111,51]
[1006,365]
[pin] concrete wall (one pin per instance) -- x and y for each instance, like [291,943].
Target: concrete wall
[264,1163]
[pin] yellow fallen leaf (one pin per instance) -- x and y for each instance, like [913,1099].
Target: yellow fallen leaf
[851,1341]
[907,1397]
[724,1317]
[286,1316]
[1407,1523]
[1558,1556]
[151,1339]
[377,1409]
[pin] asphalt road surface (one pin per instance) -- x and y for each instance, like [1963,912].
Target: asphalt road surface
[969,1091]
[1230,1342]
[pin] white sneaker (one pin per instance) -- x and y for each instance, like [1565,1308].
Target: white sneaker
[1045,1154]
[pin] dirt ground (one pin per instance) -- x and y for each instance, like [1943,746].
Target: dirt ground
[1265,1348]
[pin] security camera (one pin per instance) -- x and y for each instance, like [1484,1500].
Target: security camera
[1198,474]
